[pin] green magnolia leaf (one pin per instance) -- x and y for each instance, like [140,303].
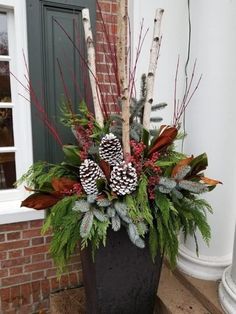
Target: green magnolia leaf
[153,242]
[72,154]
[86,224]
[198,164]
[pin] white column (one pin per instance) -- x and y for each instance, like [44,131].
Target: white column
[227,287]
[211,128]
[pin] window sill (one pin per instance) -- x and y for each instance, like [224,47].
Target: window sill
[11,212]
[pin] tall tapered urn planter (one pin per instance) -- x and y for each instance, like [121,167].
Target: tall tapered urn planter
[122,279]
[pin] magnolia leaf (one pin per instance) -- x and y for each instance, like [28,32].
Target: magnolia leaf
[63,184]
[81,206]
[180,164]
[106,169]
[40,201]
[210,182]
[165,139]
[116,223]
[111,212]
[198,164]
[99,215]
[72,154]
[153,242]
[86,224]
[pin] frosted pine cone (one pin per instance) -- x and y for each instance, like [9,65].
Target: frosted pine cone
[123,179]
[110,150]
[89,173]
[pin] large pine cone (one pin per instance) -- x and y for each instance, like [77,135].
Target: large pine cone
[89,173]
[110,150]
[123,179]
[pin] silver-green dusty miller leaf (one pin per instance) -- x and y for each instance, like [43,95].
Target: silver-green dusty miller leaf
[121,208]
[115,223]
[194,187]
[167,183]
[134,236]
[111,212]
[91,198]
[183,171]
[177,194]
[86,224]
[81,206]
[103,202]
[99,215]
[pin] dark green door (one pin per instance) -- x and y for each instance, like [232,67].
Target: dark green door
[49,51]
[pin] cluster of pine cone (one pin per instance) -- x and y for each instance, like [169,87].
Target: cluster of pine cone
[123,179]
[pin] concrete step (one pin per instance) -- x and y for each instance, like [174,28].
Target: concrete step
[182,294]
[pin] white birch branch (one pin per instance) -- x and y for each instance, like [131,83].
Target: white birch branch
[154,53]
[121,53]
[91,62]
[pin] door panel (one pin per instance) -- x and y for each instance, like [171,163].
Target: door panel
[49,48]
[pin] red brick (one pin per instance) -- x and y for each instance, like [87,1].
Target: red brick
[2,237]
[105,7]
[35,285]
[64,281]
[114,8]
[51,272]
[54,282]
[15,296]
[13,245]
[31,233]
[25,293]
[38,275]
[16,270]
[36,250]
[38,258]
[14,227]
[13,236]
[45,287]
[73,279]
[15,262]
[14,254]
[36,224]
[10,281]
[48,239]
[3,273]
[37,241]
[25,309]
[38,266]
[5,295]
[3,255]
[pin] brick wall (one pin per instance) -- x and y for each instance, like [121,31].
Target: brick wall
[27,272]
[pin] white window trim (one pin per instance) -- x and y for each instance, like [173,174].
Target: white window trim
[10,200]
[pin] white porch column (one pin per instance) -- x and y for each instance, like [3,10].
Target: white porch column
[210,118]
[211,128]
[227,287]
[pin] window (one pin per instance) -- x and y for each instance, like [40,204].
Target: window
[15,122]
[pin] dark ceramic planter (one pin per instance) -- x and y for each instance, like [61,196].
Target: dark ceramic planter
[122,280]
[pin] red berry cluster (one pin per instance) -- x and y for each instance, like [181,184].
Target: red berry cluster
[152,182]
